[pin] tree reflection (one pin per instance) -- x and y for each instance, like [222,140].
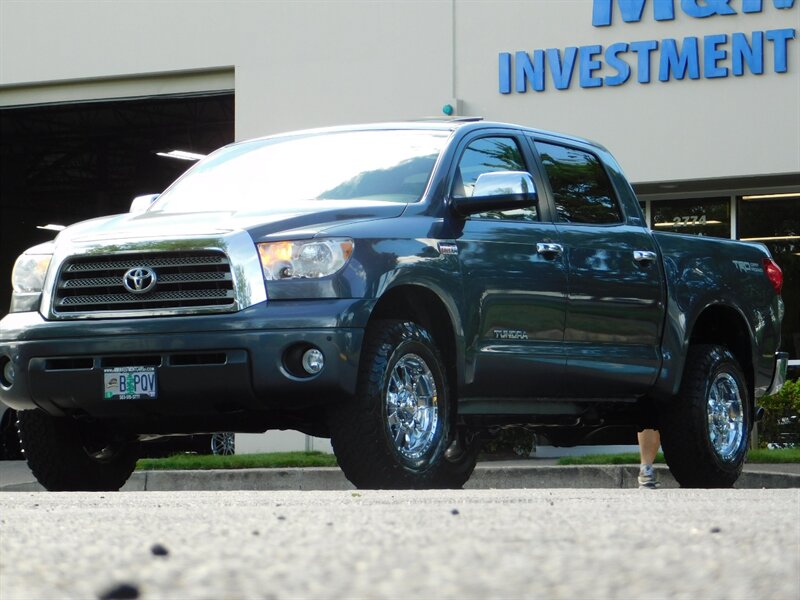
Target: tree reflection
[404,181]
[581,189]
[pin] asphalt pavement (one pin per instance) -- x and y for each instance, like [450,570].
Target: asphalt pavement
[511,544]
[513,474]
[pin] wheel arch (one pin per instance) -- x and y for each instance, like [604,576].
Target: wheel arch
[727,326]
[432,311]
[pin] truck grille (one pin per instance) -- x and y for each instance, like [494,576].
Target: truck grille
[196,281]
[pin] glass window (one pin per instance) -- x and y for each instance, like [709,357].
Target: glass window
[776,223]
[700,216]
[581,188]
[490,155]
[270,175]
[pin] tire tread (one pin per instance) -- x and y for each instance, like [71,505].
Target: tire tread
[684,428]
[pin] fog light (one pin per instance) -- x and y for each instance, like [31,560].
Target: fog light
[313,361]
[8,373]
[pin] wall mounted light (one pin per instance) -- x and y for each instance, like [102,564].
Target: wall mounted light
[771,196]
[182,155]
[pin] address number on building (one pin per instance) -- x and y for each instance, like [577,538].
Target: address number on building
[130,383]
[689,221]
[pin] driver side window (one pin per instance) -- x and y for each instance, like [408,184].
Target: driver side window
[491,155]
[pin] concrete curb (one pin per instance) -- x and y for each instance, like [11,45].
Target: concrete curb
[486,476]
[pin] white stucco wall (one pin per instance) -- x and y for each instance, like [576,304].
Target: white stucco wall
[303,64]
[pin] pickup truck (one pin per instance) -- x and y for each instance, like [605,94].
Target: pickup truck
[406,289]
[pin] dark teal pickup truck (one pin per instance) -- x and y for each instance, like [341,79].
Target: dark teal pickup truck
[406,289]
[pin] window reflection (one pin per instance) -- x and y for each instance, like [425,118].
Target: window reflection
[486,155]
[776,223]
[267,175]
[490,155]
[699,216]
[581,189]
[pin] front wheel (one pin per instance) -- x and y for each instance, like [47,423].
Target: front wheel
[9,439]
[398,431]
[66,455]
[705,429]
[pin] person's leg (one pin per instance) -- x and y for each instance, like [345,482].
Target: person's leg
[649,443]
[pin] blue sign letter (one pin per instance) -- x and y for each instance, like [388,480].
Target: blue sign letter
[663,10]
[562,73]
[643,51]
[780,38]
[755,6]
[693,8]
[589,65]
[712,55]
[743,52]
[527,71]
[504,72]
[675,63]
[615,62]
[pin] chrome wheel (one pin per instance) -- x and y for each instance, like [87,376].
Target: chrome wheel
[223,443]
[412,410]
[726,425]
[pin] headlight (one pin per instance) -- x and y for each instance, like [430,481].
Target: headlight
[29,273]
[304,259]
[27,278]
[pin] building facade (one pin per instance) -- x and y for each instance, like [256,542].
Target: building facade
[698,99]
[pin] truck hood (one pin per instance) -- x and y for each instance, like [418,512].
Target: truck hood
[301,220]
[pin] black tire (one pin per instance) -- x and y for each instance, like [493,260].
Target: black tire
[65,455]
[367,431]
[9,439]
[705,430]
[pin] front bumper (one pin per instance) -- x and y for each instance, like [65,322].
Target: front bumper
[205,365]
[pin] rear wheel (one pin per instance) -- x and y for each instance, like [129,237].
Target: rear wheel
[706,429]
[65,455]
[398,431]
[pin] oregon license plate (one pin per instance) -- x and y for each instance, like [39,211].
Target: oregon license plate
[129,383]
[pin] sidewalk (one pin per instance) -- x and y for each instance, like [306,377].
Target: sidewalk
[530,473]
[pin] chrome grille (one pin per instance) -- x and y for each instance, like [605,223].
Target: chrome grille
[196,281]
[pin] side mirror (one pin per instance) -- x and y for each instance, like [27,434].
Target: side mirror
[141,203]
[501,190]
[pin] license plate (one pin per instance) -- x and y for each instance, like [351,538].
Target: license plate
[129,383]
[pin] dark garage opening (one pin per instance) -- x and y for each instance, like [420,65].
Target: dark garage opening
[64,163]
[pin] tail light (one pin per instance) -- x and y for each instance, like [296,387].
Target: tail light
[774,274]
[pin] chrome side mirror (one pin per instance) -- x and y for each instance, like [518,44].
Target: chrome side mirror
[501,190]
[504,183]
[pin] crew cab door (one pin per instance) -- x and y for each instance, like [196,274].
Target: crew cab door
[515,280]
[615,306]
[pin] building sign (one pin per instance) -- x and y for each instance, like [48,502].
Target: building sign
[709,57]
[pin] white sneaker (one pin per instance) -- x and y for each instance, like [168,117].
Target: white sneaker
[648,478]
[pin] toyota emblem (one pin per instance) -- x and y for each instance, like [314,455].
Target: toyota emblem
[139,280]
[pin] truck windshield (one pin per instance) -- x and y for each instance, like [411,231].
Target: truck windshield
[264,175]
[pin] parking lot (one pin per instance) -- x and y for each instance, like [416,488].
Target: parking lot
[558,543]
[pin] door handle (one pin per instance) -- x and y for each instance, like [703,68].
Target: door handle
[549,250]
[644,256]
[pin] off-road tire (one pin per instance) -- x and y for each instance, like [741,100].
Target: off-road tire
[9,439]
[56,451]
[685,432]
[360,427]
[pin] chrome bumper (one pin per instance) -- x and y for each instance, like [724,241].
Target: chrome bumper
[779,375]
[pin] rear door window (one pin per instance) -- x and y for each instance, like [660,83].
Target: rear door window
[582,191]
